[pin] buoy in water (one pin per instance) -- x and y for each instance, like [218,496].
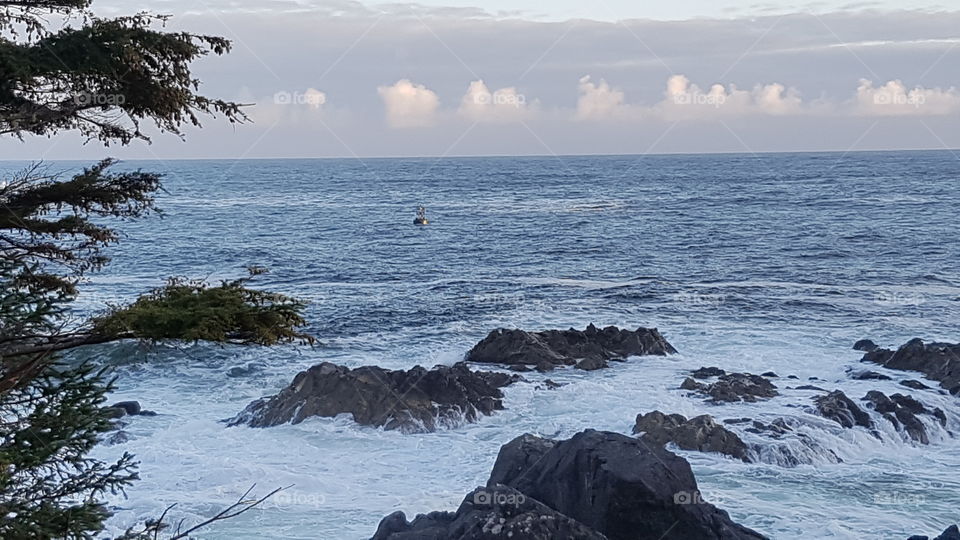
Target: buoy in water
[421,218]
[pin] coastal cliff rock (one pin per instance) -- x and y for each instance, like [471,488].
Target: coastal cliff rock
[612,485]
[588,349]
[701,433]
[938,361]
[415,400]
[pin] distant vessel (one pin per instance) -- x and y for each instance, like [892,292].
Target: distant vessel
[421,218]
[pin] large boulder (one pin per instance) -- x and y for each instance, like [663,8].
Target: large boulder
[594,486]
[488,514]
[619,486]
[701,433]
[731,387]
[838,407]
[545,350]
[938,361]
[415,400]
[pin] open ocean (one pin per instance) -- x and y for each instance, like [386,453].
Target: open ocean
[776,262]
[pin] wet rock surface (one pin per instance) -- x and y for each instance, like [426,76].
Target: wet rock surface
[902,411]
[701,433]
[732,387]
[938,361]
[612,485]
[589,349]
[841,409]
[415,400]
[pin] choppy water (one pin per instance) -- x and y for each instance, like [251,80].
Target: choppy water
[778,262]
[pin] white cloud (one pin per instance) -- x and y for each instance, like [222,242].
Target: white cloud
[409,104]
[894,99]
[685,100]
[599,101]
[504,105]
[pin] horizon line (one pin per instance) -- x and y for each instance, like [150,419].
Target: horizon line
[481,156]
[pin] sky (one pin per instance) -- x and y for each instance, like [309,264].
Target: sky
[341,78]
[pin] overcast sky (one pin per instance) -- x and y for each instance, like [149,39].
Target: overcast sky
[345,78]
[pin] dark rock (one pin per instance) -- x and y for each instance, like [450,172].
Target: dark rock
[567,347]
[592,364]
[620,487]
[734,421]
[811,387]
[769,374]
[938,361]
[707,372]
[520,368]
[902,411]
[129,407]
[869,376]
[517,456]
[114,412]
[145,412]
[952,533]
[117,437]
[488,514]
[700,433]
[415,400]
[776,429]
[838,407]
[550,385]
[914,384]
[733,387]
[792,377]
[865,345]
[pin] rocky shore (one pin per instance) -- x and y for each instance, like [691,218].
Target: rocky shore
[599,485]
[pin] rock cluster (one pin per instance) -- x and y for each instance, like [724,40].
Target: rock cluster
[587,349]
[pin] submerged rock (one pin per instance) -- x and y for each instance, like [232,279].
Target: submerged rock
[914,384]
[551,348]
[415,400]
[595,485]
[733,387]
[707,372]
[865,345]
[869,376]
[701,433]
[938,361]
[838,407]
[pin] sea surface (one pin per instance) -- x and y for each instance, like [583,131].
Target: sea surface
[776,262]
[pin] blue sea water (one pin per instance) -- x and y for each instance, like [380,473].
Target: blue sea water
[773,262]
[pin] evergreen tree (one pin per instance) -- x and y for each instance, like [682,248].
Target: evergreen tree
[63,68]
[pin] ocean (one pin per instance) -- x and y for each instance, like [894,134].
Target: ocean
[777,262]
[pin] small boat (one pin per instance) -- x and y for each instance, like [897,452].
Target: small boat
[421,218]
